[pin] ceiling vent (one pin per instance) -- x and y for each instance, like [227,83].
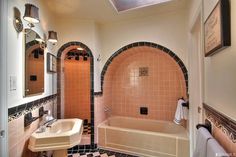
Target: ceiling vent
[125,5]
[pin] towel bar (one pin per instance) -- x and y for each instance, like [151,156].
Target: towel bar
[207,125]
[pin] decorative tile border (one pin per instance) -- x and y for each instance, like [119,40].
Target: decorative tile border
[149,44]
[221,121]
[16,112]
[59,54]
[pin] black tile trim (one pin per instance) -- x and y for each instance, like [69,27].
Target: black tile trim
[15,112]
[86,48]
[221,121]
[83,150]
[97,93]
[149,44]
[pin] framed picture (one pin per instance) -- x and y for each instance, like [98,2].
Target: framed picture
[51,63]
[217,28]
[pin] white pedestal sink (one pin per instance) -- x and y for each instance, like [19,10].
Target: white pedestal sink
[62,135]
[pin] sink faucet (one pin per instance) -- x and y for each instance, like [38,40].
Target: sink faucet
[50,122]
[47,122]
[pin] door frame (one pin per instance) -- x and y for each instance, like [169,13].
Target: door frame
[196,117]
[3,78]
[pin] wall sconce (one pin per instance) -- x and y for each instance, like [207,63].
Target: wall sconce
[52,36]
[31,14]
[17,20]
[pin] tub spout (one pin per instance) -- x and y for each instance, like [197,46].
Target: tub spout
[107,109]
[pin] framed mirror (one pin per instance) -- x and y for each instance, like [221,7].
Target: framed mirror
[34,63]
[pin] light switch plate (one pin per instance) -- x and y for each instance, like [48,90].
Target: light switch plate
[13,83]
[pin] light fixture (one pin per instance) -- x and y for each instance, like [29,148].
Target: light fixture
[52,36]
[31,14]
[80,48]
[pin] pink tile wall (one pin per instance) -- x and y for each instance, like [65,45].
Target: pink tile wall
[125,91]
[77,89]
[19,135]
[99,113]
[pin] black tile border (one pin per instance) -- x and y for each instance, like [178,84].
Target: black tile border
[59,54]
[149,44]
[17,111]
[83,149]
[221,121]
[97,93]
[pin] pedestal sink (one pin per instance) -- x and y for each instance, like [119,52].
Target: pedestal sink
[63,134]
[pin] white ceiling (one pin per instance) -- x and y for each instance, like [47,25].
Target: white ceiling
[102,10]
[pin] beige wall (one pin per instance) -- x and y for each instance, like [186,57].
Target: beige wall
[106,39]
[168,29]
[15,53]
[220,70]
[85,31]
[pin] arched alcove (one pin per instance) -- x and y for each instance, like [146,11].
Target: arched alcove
[144,75]
[68,47]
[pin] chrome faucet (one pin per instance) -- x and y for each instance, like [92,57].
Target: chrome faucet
[50,122]
[107,110]
[47,122]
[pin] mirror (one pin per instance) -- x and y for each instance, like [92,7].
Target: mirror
[34,63]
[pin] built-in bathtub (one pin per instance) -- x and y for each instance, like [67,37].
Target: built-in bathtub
[142,137]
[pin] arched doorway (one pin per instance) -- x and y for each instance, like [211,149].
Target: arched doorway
[75,86]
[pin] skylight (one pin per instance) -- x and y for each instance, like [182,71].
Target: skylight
[124,5]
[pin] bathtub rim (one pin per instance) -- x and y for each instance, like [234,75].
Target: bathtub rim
[183,136]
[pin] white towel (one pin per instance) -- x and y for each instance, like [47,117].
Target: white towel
[203,136]
[180,113]
[185,113]
[215,150]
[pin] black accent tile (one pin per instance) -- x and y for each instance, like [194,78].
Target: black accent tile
[135,44]
[12,111]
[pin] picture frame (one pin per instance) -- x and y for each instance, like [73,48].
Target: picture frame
[51,63]
[217,33]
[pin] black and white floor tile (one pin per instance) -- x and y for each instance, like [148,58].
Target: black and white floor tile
[100,153]
[87,127]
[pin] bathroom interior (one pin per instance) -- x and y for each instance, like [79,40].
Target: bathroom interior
[118,78]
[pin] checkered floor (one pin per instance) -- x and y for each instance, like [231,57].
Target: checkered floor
[101,153]
[87,128]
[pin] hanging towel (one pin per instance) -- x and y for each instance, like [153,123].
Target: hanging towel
[203,136]
[215,150]
[185,113]
[179,114]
